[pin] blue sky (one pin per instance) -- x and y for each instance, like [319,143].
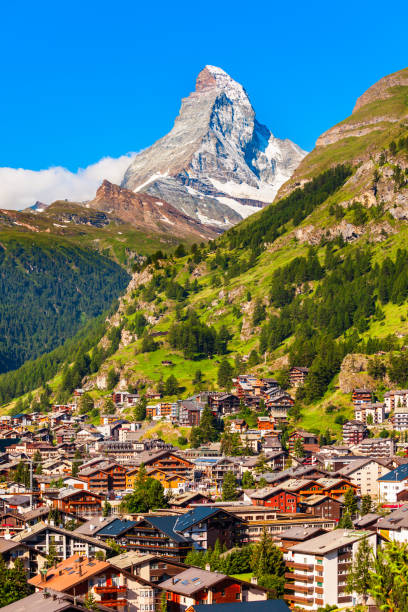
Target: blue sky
[83,80]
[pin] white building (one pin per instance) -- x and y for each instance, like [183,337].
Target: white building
[393,483]
[364,473]
[318,569]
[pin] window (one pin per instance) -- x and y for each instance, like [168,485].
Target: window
[237,596]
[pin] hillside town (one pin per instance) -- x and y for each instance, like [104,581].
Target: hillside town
[250,510]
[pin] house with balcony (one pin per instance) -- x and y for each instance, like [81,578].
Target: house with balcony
[317,569]
[196,586]
[110,586]
[66,543]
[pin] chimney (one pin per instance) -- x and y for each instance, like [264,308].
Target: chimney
[254,580]
[207,567]
[80,570]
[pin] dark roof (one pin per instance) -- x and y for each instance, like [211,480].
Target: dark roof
[368,519]
[115,528]
[166,524]
[269,605]
[16,500]
[398,475]
[54,602]
[194,516]
[300,533]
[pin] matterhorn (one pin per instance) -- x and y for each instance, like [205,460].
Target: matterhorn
[218,164]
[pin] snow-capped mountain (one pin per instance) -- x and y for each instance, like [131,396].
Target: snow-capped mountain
[218,164]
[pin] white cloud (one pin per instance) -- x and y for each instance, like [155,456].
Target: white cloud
[20,188]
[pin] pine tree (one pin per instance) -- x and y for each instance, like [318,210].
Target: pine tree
[229,487]
[366,505]
[359,577]
[298,448]
[248,481]
[350,502]
[225,374]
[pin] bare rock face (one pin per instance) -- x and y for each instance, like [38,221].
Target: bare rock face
[148,213]
[218,164]
[353,373]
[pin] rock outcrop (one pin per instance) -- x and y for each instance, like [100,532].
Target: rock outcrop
[148,213]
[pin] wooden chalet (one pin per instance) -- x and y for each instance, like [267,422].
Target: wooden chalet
[297,376]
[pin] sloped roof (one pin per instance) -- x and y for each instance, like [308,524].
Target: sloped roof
[166,524]
[398,475]
[185,521]
[115,528]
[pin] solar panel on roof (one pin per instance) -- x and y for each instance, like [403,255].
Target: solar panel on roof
[194,579]
[184,582]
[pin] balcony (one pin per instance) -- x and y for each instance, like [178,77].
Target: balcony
[300,600]
[299,577]
[300,566]
[289,586]
[110,589]
[113,603]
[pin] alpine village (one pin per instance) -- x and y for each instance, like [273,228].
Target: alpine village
[204,372]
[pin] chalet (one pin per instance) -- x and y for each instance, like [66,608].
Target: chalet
[354,432]
[50,601]
[31,559]
[265,423]
[361,396]
[150,567]
[335,487]
[396,398]
[223,403]
[166,461]
[297,376]
[276,498]
[66,543]
[78,502]
[302,486]
[110,586]
[204,525]
[322,506]
[223,465]
[97,479]
[309,441]
[400,418]
[197,586]
[156,535]
[11,523]
[185,500]
[238,426]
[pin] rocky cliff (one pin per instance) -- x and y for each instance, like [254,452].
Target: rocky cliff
[218,164]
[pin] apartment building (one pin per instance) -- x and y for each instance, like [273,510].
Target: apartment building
[317,569]
[370,414]
[364,473]
[400,418]
[376,448]
[354,432]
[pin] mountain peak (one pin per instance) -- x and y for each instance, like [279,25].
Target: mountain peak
[218,164]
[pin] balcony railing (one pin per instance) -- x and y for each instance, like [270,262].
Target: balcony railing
[300,566]
[114,603]
[289,586]
[110,589]
[299,577]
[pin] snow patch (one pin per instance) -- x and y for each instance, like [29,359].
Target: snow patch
[242,209]
[263,193]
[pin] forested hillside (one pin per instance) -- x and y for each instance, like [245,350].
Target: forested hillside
[49,288]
